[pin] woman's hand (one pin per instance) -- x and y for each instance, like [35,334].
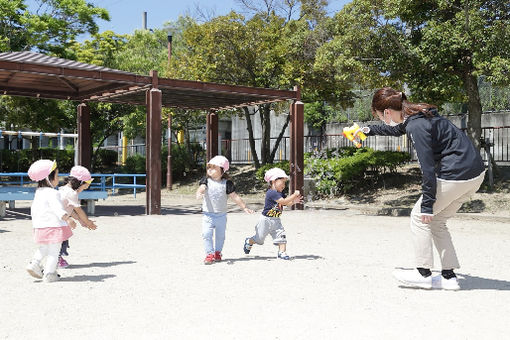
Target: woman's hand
[364,129]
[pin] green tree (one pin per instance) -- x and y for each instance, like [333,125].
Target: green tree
[51,28]
[438,48]
[267,50]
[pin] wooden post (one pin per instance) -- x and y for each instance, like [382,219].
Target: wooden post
[154,154]
[212,134]
[292,181]
[169,156]
[297,148]
[299,161]
[153,148]
[147,148]
[84,138]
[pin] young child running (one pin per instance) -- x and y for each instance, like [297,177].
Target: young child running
[215,189]
[51,223]
[79,179]
[269,222]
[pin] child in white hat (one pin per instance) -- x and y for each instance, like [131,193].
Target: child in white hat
[52,224]
[214,190]
[269,222]
[79,179]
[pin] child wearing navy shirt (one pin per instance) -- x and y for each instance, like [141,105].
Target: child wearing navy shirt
[269,222]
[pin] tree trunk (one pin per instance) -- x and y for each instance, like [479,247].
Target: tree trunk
[474,125]
[251,139]
[265,122]
[279,139]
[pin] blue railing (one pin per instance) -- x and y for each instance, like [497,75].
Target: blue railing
[102,185]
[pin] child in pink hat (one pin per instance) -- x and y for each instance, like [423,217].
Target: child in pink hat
[214,190]
[79,179]
[269,222]
[52,224]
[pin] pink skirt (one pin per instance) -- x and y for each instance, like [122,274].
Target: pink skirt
[52,235]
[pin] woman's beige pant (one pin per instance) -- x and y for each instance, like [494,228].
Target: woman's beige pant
[449,197]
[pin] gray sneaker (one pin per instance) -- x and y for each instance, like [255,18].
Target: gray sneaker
[35,270]
[50,277]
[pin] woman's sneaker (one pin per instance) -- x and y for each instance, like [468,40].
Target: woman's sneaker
[413,278]
[247,246]
[209,259]
[62,263]
[35,270]
[51,277]
[283,255]
[217,256]
[439,282]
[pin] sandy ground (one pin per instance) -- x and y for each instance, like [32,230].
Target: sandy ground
[142,277]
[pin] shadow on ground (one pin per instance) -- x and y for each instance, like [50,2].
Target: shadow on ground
[470,282]
[99,264]
[83,278]
[4,231]
[270,258]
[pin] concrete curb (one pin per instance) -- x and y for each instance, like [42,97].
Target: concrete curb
[401,211]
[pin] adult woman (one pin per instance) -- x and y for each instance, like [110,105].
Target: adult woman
[452,171]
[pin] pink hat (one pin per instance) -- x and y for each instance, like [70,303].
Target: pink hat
[274,173]
[81,173]
[41,169]
[220,161]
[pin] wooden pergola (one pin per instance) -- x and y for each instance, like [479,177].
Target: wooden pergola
[37,75]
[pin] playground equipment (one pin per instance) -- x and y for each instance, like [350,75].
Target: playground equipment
[59,135]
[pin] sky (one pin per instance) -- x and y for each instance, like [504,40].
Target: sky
[126,15]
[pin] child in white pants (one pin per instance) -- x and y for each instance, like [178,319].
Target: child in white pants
[51,223]
[214,190]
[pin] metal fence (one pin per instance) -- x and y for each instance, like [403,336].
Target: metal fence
[239,151]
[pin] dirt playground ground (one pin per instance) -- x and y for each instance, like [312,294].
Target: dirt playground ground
[142,277]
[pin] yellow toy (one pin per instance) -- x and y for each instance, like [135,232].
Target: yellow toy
[349,132]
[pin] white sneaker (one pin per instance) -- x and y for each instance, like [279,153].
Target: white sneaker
[50,277]
[283,256]
[439,282]
[35,270]
[413,278]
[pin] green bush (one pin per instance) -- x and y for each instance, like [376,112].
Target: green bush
[105,160]
[338,175]
[182,161]
[20,160]
[284,165]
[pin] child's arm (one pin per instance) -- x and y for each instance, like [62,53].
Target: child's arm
[83,219]
[291,199]
[201,191]
[239,201]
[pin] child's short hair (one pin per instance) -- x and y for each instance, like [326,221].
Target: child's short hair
[43,183]
[75,182]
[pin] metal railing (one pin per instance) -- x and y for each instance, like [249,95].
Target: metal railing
[239,151]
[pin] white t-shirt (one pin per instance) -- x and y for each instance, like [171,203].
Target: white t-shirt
[216,195]
[69,198]
[47,210]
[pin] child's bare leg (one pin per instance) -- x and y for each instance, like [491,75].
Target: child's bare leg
[282,247]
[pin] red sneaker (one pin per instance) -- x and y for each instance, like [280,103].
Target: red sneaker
[217,256]
[209,259]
